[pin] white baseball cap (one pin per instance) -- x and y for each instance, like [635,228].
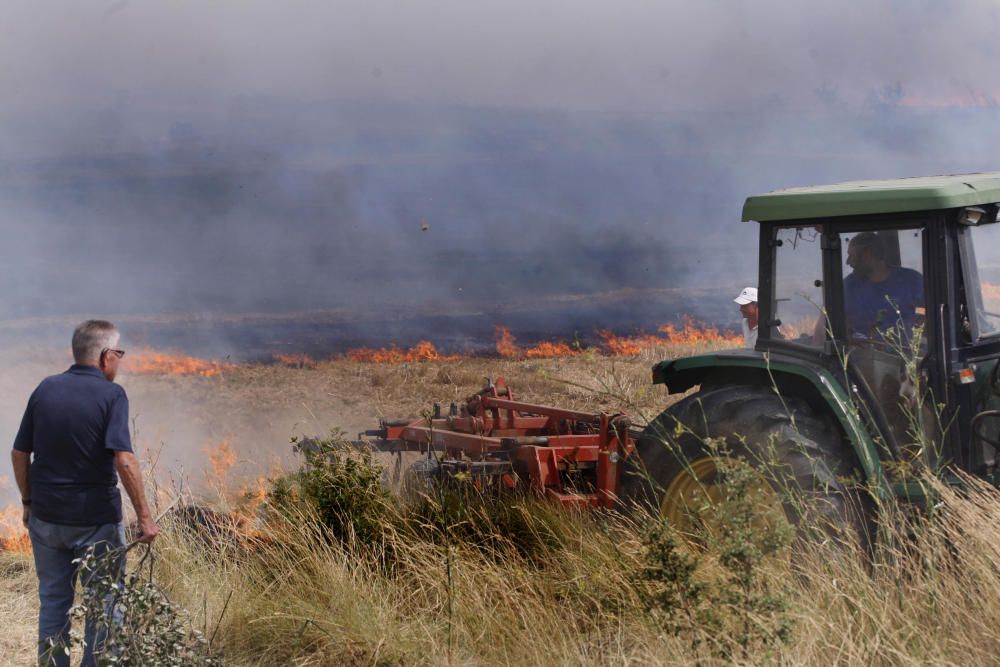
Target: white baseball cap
[748,295]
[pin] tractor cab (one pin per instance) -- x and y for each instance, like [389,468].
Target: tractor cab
[879,307]
[894,285]
[902,300]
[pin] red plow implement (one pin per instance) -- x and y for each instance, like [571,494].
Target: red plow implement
[571,457]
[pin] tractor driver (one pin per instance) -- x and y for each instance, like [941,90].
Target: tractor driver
[877,295]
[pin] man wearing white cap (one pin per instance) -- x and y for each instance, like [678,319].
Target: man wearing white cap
[747,300]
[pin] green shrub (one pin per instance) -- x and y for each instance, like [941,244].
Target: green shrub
[343,485]
[672,593]
[717,587]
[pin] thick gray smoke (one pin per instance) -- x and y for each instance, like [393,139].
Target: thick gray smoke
[245,155]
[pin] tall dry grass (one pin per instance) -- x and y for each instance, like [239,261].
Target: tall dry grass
[930,594]
[297,595]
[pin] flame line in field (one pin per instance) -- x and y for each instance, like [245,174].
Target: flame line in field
[146,361]
[689,332]
[422,351]
[507,347]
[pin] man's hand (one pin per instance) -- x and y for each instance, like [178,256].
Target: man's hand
[25,515]
[128,471]
[148,530]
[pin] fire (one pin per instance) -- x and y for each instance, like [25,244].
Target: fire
[422,351]
[991,292]
[13,536]
[547,350]
[697,333]
[507,348]
[221,458]
[803,327]
[627,346]
[255,494]
[689,333]
[296,360]
[152,362]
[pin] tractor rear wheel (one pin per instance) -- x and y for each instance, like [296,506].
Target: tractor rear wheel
[801,461]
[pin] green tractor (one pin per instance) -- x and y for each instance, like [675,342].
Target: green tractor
[876,357]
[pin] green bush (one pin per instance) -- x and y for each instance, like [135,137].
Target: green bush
[342,485]
[717,587]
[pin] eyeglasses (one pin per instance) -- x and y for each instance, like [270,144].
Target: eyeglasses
[117,353]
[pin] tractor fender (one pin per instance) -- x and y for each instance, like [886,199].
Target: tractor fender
[752,367]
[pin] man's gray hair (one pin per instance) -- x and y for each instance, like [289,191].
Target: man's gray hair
[91,337]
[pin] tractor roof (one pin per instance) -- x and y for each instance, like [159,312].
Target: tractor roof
[861,197]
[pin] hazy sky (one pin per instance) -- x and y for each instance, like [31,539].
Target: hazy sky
[590,54]
[240,154]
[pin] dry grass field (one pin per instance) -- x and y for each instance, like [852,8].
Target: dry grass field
[532,585]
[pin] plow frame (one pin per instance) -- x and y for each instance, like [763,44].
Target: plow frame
[568,456]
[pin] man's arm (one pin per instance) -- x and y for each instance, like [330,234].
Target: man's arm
[131,476]
[21,462]
[20,456]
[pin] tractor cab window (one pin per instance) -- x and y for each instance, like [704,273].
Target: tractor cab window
[798,286]
[884,317]
[981,260]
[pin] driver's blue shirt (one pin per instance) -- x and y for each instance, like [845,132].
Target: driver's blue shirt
[874,308]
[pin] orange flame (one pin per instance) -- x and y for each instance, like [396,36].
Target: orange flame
[627,346]
[255,494]
[221,458]
[422,351]
[13,536]
[991,292]
[805,326]
[296,360]
[507,347]
[690,332]
[694,333]
[548,350]
[152,362]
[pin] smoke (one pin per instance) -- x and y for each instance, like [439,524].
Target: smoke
[254,156]
[561,53]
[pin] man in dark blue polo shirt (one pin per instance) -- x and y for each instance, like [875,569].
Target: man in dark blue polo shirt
[71,449]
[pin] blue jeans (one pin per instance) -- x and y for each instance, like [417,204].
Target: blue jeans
[55,546]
